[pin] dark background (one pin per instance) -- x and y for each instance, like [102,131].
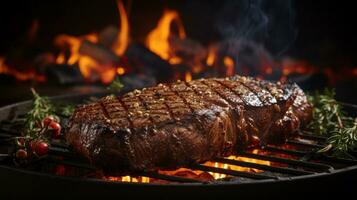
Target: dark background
[324,29]
[321,32]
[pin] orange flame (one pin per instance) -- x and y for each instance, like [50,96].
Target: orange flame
[229,63]
[20,75]
[200,174]
[89,67]
[188,76]
[121,70]
[122,42]
[158,39]
[290,66]
[211,57]
[141,179]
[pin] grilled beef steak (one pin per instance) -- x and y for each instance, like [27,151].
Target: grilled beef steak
[172,125]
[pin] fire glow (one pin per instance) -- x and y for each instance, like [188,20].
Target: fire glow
[20,75]
[196,174]
[158,39]
[102,61]
[90,67]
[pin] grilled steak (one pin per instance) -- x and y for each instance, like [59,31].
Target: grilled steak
[173,125]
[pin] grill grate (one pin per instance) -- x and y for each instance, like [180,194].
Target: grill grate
[297,163]
[297,157]
[290,163]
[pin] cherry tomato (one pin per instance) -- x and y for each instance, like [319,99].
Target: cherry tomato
[56,129]
[41,148]
[47,120]
[21,154]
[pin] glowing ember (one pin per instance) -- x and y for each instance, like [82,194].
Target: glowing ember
[197,174]
[229,63]
[89,67]
[211,57]
[100,56]
[141,179]
[235,167]
[121,70]
[188,76]
[290,66]
[158,39]
[19,75]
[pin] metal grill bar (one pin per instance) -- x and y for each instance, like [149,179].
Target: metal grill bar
[283,170]
[337,160]
[171,178]
[311,137]
[299,143]
[231,172]
[62,150]
[286,151]
[298,163]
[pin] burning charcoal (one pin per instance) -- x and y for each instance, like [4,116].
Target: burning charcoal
[192,52]
[147,62]
[107,36]
[63,74]
[44,59]
[246,57]
[99,53]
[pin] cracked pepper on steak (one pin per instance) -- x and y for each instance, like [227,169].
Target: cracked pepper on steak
[174,125]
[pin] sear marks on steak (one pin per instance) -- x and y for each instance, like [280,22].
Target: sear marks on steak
[173,125]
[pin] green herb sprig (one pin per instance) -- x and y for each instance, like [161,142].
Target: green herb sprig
[41,108]
[116,85]
[329,120]
[66,110]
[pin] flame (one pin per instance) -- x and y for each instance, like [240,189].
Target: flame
[229,63]
[20,75]
[188,76]
[121,70]
[211,56]
[88,66]
[141,179]
[290,66]
[197,174]
[158,39]
[235,167]
[122,42]
[73,43]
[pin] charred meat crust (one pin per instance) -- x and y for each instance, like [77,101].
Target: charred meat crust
[173,125]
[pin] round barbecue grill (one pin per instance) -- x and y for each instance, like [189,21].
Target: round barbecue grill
[297,171]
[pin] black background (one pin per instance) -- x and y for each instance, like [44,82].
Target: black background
[321,32]
[325,29]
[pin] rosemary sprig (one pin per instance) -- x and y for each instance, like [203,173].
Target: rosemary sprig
[329,120]
[344,140]
[66,110]
[41,108]
[327,112]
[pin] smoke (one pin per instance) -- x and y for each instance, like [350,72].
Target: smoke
[268,23]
